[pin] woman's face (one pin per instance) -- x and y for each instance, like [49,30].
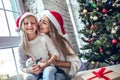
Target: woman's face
[30,25]
[44,25]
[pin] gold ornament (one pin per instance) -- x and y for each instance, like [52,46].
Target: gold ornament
[93,62]
[95,18]
[113,31]
[85,11]
[94,34]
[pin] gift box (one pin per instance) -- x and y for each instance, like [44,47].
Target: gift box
[101,74]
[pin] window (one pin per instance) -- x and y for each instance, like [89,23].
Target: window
[8,15]
[9,11]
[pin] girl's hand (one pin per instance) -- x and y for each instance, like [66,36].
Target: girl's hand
[35,69]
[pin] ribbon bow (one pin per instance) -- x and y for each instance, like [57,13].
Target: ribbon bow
[100,74]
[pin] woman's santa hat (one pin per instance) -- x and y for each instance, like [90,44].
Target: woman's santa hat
[56,19]
[20,19]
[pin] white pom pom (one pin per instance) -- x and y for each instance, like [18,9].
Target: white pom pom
[17,29]
[65,36]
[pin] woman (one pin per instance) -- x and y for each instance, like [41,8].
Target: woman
[52,23]
[35,46]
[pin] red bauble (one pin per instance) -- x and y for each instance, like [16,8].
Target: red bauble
[92,26]
[104,10]
[101,50]
[89,40]
[114,41]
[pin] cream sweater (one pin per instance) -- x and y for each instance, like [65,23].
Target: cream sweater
[39,48]
[75,62]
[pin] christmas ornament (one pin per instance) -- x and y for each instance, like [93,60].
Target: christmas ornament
[104,10]
[92,62]
[93,5]
[113,31]
[119,38]
[92,26]
[89,40]
[91,17]
[85,11]
[114,41]
[95,18]
[114,23]
[114,4]
[94,34]
[109,2]
[117,16]
[97,8]
[86,3]
[116,27]
[101,50]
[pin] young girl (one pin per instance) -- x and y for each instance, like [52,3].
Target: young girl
[36,46]
[68,62]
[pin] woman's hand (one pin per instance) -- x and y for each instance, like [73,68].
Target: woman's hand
[42,64]
[55,62]
[65,64]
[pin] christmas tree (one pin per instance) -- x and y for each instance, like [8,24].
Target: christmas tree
[101,31]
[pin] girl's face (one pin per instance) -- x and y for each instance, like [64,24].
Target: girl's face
[44,25]
[30,25]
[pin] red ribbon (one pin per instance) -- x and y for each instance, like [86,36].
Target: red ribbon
[100,74]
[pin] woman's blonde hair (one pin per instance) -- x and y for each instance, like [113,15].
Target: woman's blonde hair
[58,40]
[24,38]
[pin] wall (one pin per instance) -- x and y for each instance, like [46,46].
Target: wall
[77,20]
[36,6]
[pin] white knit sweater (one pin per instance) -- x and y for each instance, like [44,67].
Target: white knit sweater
[40,47]
[75,62]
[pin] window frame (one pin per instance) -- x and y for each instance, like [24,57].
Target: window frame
[10,42]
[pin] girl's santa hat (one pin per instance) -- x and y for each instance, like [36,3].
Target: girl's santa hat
[20,19]
[56,19]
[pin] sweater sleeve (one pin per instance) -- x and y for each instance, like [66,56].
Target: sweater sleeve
[75,62]
[50,46]
[22,57]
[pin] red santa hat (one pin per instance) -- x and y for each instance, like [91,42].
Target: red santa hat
[56,19]
[20,18]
